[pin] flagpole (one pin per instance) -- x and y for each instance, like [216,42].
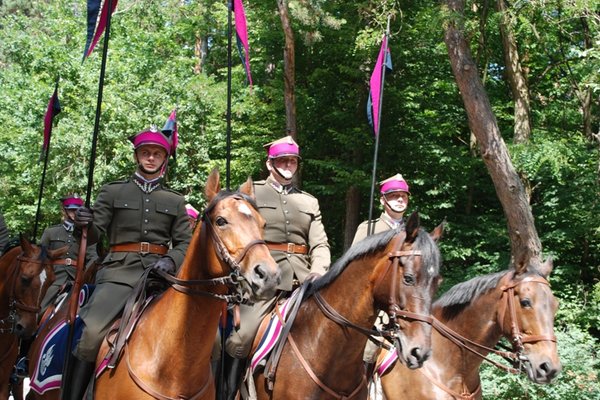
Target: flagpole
[46,155]
[371,225]
[228,155]
[74,296]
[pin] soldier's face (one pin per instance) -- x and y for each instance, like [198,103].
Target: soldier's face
[285,166]
[395,202]
[150,159]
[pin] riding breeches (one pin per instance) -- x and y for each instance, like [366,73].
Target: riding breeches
[105,304]
[239,343]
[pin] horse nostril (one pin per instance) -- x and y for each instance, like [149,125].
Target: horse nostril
[259,271]
[547,370]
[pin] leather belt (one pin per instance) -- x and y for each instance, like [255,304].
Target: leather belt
[142,248]
[65,261]
[289,247]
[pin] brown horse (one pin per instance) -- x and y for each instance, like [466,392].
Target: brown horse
[20,287]
[469,320]
[322,358]
[168,353]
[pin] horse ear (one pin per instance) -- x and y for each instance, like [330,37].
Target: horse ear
[438,231]
[25,244]
[248,188]
[546,268]
[412,226]
[213,185]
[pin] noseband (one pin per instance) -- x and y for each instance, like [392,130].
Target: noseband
[15,304]
[233,281]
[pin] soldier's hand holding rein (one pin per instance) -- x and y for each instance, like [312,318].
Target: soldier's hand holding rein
[164,264]
[83,217]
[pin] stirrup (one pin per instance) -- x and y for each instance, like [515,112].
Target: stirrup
[22,368]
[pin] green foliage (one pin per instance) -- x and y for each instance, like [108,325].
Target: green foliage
[171,54]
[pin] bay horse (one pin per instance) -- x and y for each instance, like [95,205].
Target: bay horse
[20,294]
[469,320]
[322,355]
[167,353]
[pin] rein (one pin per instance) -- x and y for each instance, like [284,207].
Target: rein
[517,338]
[394,311]
[15,304]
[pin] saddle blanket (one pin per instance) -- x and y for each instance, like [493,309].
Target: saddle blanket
[272,333]
[388,358]
[47,373]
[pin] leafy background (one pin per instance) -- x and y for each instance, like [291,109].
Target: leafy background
[154,65]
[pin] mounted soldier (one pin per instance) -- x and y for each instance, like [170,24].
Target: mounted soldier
[296,238]
[146,226]
[394,200]
[57,236]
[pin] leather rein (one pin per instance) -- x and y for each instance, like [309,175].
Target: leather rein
[15,304]
[392,331]
[517,338]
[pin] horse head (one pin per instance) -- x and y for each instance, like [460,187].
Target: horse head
[528,320]
[237,233]
[407,292]
[27,283]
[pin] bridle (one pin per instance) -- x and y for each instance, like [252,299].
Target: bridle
[233,281]
[391,331]
[394,311]
[9,323]
[517,338]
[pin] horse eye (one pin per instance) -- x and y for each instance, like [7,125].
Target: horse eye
[221,221]
[409,280]
[25,281]
[525,303]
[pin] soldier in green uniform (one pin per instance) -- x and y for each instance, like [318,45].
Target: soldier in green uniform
[192,215]
[61,235]
[146,226]
[394,200]
[296,237]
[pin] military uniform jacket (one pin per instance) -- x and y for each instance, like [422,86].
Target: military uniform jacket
[126,214]
[382,224]
[3,234]
[293,216]
[57,236]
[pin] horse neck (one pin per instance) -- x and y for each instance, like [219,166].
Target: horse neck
[185,313]
[7,269]
[351,296]
[477,322]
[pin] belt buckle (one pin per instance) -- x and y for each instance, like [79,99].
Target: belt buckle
[144,248]
[68,261]
[291,247]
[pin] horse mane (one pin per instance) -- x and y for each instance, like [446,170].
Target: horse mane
[371,244]
[461,294]
[228,193]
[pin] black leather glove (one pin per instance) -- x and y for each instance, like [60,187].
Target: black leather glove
[83,216]
[164,264]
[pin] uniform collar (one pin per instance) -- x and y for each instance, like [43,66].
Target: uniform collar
[145,185]
[279,188]
[391,222]
[68,225]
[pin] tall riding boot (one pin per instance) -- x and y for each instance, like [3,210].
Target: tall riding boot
[76,379]
[234,372]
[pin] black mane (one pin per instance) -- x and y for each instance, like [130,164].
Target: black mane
[371,244]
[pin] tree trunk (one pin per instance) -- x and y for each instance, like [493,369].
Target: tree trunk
[201,52]
[516,77]
[352,215]
[289,69]
[586,96]
[525,243]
